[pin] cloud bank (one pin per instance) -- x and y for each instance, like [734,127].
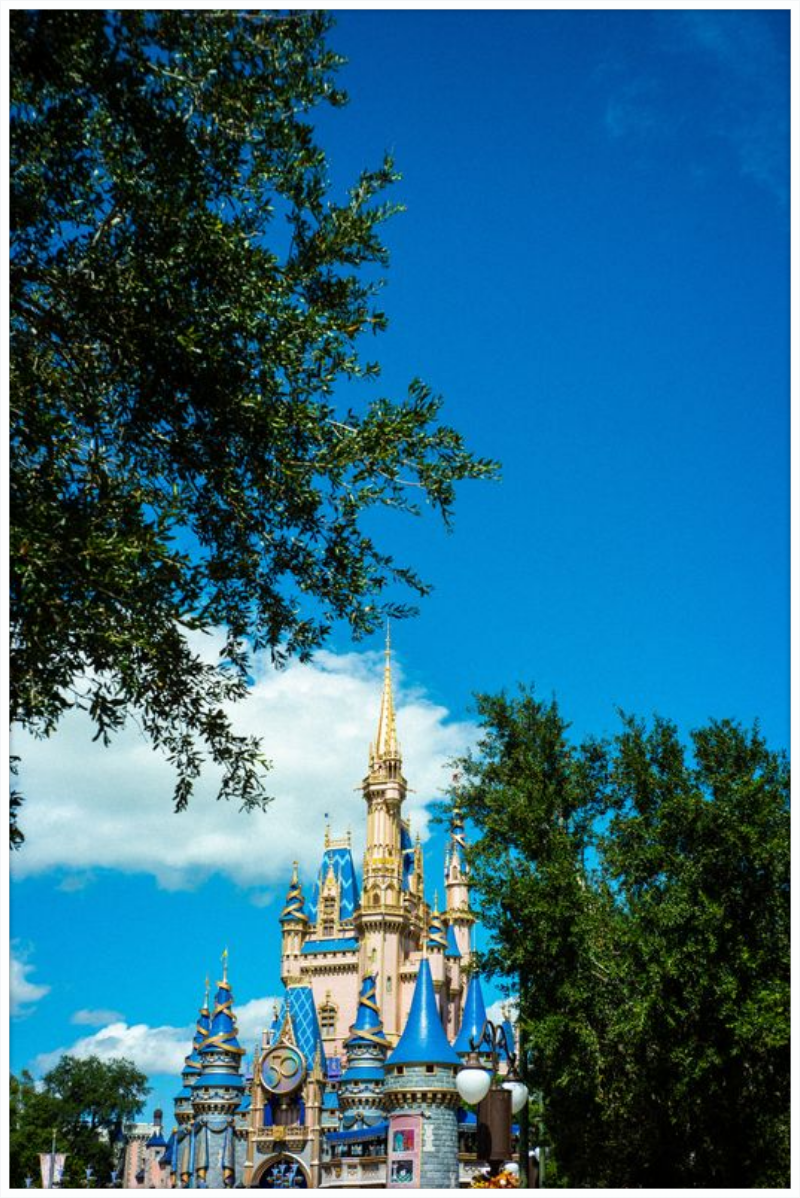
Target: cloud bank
[155,1050]
[89,807]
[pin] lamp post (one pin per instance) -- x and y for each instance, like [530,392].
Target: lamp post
[496,1103]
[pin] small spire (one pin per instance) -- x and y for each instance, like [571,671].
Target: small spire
[437,937]
[473,1020]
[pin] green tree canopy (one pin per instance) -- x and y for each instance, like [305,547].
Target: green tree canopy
[83,1103]
[186,301]
[637,895]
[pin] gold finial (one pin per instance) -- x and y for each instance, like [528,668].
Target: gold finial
[294,873]
[225,964]
[208,990]
[436,902]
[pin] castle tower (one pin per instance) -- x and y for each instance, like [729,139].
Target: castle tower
[361,1088]
[192,1065]
[456,880]
[216,1096]
[380,920]
[421,1097]
[294,929]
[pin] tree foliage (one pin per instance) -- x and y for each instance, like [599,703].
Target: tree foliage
[637,892]
[186,300]
[85,1103]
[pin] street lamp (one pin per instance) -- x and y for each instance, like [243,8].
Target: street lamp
[476,1085]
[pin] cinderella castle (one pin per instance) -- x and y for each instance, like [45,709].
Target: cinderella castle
[353,1085]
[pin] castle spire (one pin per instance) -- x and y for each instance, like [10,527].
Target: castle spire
[386,747]
[474,1020]
[294,908]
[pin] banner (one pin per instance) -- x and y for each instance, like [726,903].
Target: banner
[52,1167]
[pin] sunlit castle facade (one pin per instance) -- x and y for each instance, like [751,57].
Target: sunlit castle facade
[354,1082]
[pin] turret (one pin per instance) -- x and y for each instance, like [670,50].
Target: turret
[456,880]
[361,1088]
[294,930]
[217,1094]
[420,1081]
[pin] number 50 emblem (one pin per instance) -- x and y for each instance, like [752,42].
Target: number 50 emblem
[282,1069]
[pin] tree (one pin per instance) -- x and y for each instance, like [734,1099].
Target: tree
[84,1102]
[637,892]
[186,301]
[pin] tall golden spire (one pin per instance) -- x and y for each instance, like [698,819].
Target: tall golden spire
[386,746]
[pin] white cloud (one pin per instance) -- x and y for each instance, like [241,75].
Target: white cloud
[152,1049]
[156,1050]
[88,806]
[94,1018]
[23,994]
[502,1009]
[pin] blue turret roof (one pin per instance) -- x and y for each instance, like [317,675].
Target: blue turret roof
[156,1141]
[508,1028]
[167,1155]
[192,1063]
[340,860]
[222,1033]
[452,947]
[423,1041]
[368,1027]
[473,1019]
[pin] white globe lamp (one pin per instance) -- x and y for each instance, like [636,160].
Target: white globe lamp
[473,1084]
[519,1095]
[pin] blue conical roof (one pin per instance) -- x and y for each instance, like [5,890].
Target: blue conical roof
[452,946]
[423,1041]
[222,1033]
[473,1019]
[511,1037]
[368,1027]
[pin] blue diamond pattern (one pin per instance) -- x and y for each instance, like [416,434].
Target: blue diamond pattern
[305,1026]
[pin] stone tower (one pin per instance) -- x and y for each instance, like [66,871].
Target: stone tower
[421,1097]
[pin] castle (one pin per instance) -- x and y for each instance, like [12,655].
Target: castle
[354,1082]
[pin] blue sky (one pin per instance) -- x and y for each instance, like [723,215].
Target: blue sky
[593,271]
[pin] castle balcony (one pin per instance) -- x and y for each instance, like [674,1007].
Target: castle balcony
[366,1172]
[290,1138]
[355,1158]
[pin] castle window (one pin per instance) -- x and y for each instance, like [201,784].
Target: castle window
[329,916]
[327,1019]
